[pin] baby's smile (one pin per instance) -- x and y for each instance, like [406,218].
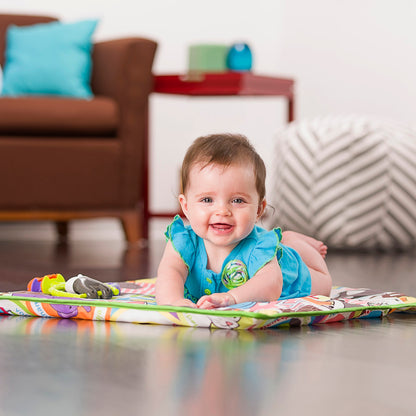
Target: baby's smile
[222,228]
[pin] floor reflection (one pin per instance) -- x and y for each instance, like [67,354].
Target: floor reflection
[194,370]
[122,367]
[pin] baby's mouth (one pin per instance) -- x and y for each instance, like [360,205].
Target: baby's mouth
[221,227]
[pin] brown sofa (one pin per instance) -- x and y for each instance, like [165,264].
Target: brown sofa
[65,158]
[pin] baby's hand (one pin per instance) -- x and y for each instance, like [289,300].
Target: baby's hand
[216,300]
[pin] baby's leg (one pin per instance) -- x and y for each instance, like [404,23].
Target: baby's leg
[312,253]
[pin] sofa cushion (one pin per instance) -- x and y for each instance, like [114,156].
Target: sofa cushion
[62,173]
[58,116]
[49,59]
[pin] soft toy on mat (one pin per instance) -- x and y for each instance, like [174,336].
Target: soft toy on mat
[78,286]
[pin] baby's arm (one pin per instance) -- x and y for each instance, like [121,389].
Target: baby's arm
[266,285]
[171,276]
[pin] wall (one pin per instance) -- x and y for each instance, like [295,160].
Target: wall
[347,56]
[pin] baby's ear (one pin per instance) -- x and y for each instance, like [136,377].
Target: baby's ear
[184,204]
[261,208]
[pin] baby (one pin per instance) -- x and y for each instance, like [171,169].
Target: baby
[223,258]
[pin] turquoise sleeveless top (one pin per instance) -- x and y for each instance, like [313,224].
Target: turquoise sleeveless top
[249,256]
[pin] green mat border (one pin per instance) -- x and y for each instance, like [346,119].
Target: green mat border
[184,309]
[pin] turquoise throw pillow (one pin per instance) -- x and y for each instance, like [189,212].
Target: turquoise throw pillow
[49,59]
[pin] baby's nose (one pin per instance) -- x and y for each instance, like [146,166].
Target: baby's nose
[223,209]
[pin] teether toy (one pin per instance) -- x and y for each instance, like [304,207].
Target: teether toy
[79,286]
[92,288]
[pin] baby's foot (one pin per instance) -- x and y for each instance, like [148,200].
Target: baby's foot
[318,245]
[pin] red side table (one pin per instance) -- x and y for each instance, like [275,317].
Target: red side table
[215,84]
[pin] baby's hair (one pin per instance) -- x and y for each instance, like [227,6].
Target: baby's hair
[224,149]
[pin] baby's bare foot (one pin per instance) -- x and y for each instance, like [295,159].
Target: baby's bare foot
[318,245]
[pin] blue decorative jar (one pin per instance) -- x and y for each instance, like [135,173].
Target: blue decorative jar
[239,57]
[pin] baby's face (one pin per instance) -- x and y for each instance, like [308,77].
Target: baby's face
[222,203]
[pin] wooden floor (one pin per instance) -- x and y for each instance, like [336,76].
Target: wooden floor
[364,367]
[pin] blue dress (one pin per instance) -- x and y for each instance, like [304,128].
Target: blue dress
[249,256]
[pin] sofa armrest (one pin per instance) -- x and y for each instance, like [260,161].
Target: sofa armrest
[122,70]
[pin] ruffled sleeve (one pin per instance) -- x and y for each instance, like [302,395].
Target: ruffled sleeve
[267,247]
[183,240]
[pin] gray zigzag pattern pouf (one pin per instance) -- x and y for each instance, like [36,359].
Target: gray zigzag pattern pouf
[349,181]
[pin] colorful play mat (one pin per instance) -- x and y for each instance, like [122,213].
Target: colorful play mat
[136,304]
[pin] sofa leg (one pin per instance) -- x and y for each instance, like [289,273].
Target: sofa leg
[62,228]
[132,226]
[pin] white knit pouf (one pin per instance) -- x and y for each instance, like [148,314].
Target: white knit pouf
[349,181]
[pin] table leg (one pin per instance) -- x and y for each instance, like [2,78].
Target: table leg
[290,109]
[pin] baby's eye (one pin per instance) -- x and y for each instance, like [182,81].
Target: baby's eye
[206,200]
[237,201]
